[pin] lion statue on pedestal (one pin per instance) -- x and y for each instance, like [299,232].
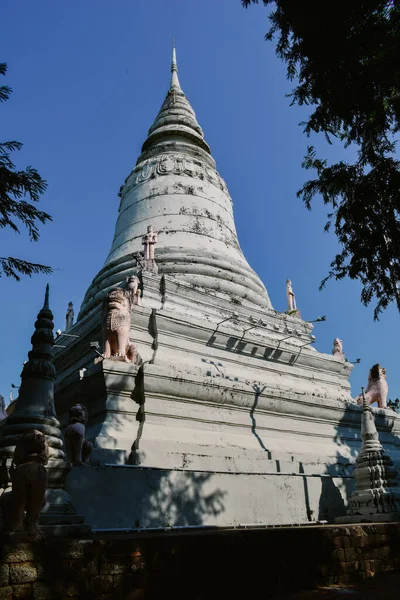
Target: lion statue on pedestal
[117,308]
[77,448]
[22,505]
[377,387]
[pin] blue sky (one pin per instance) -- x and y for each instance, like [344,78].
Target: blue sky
[88,80]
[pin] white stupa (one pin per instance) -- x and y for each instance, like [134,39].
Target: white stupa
[233,417]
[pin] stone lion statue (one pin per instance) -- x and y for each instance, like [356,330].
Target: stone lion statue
[21,507]
[377,387]
[77,448]
[117,307]
[133,283]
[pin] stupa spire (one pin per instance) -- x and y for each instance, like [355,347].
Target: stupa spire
[175,117]
[34,408]
[174,69]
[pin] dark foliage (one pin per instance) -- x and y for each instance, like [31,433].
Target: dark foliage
[345,57]
[394,405]
[15,187]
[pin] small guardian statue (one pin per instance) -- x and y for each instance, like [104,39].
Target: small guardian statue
[377,387]
[149,240]
[22,505]
[78,449]
[69,317]
[338,349]
[291,298]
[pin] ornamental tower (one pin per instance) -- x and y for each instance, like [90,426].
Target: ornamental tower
[377,495]
[229,415]
[34,409]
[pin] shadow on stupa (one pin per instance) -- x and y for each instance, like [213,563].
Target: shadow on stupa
[145,497]
[142,496]
[177,498]
[181,499]
[257,393]
[237,345]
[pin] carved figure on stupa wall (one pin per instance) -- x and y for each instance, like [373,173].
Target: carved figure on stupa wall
[149,240]
[291,298]
[77,448]
[69,317]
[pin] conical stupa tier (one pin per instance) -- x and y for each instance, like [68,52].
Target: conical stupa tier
[175,188]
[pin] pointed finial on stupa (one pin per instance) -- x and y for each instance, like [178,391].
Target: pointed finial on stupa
[46,297]
[365,402]
[45,312]
[174,69]
[368,428]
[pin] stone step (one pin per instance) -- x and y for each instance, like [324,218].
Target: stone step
[78,530]
[60,519]
[262,463]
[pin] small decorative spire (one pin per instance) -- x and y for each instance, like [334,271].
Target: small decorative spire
[375,476]
[174,69]
[69,317]
[46,298]
[34,408]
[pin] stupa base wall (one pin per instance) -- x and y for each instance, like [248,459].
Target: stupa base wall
[151,498]
[162,417]
[246,421]
[178,448]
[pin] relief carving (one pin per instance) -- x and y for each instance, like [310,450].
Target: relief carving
[177,165]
